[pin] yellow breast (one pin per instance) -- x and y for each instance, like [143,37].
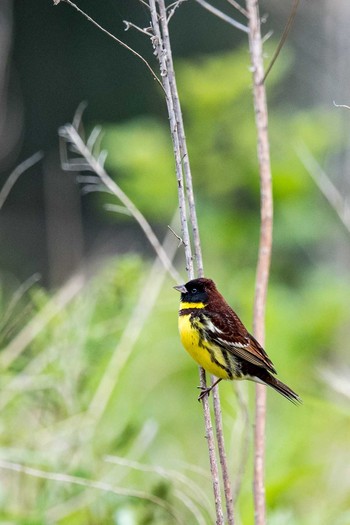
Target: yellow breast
[202,351]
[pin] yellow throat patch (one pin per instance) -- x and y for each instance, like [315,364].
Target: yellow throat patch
[201,351]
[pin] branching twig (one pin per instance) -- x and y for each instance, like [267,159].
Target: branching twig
[172,8]
[120,42]
[87,161]
[144,31]
[265,245]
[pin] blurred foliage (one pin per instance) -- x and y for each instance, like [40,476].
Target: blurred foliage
[152,424]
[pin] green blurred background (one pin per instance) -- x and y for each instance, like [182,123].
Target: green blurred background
[94,383]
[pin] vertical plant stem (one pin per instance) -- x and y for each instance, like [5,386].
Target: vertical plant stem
[182,139]
[161,42]
[162,59]
[265,245]
[222,456]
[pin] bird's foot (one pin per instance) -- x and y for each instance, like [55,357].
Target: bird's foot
[205,391]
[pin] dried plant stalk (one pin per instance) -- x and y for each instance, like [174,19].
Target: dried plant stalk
[162,46]
[265,245]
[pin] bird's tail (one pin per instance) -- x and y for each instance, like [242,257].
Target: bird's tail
[262,375]
[283,389]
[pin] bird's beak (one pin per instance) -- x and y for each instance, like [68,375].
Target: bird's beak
[181,288]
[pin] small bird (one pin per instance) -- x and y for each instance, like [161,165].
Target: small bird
[218,341]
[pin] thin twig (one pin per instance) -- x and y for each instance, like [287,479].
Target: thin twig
[99,485]
[215,11]
[239,8]
[69,134]
[340,105]
[17,172]
[144,3]
[284,36]
[172,8]
[177,236]
[324,183]
[134,26]
[120,42]
[265,246]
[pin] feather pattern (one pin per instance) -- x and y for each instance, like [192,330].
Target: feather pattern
[217,339]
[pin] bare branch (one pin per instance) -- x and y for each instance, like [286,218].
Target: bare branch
[211,447]
[265,245]
[17,172]
[161,43]
[181,137]
[215,11]
[123,44]
[161,54]
[69,135]
[222,456]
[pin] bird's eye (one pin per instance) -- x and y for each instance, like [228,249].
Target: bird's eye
[194,290]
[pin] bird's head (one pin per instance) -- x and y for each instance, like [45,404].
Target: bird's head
[196,291]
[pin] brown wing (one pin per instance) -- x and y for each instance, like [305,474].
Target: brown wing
[225,329]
